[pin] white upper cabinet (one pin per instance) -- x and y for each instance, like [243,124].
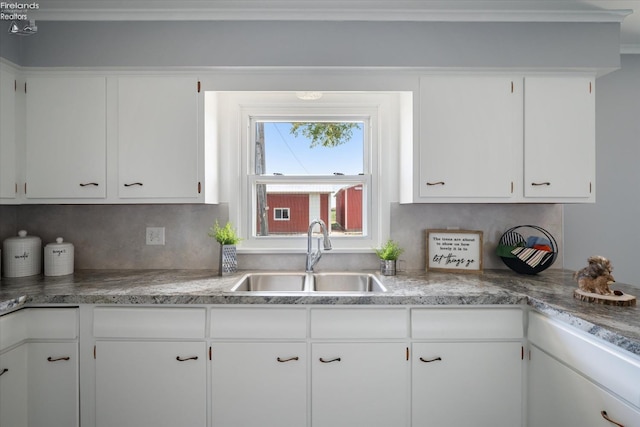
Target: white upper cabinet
[66,137]
[505,139]
[559,137]
[8,145]
[158,137]
[470,132]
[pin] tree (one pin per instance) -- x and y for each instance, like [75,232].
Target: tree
[325,134]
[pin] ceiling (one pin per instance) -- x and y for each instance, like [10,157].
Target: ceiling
[625,11]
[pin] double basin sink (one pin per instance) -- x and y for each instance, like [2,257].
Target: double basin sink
[309,282]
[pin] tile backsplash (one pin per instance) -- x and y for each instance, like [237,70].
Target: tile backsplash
[113,236]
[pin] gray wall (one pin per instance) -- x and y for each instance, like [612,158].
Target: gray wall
[259,43]
[113,236]
[610,227]
[9,45]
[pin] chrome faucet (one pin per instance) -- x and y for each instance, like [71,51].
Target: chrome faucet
[314,257]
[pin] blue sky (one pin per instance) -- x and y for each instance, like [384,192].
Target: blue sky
[289,155]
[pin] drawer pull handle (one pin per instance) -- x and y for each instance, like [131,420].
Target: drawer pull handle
[289,359]
[58,359]
[606,417]
[184,359]
[436,183]
[435,359]
[537,184]
[337,359]
[87,184]
[4,371]
[133,183]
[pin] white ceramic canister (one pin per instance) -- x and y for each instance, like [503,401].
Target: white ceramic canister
[58,258]
[22,255]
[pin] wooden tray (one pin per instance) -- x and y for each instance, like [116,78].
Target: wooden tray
[617,300]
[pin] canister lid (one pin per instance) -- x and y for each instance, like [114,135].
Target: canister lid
[59,243]
[22,237]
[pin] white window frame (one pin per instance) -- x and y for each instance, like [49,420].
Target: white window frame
[238,109]
[282,210]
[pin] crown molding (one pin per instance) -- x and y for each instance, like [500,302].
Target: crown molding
[329,10]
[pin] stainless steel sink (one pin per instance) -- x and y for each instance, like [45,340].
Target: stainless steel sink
[309,282]
[272,282]
[347,282]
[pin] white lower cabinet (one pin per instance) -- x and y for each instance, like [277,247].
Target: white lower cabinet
[151,384]
[13,387]
[578,380]
[559,396]
[150,366]
[53,384]
[466,384]
[259,366]
[467,367]
[359,384]
[39,369]
[257,384]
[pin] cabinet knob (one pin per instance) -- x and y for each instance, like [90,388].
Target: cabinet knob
[133,184]
[58,359]
[89,184]
[323,360]
[606,417]
[288,359]
[435,359]
[537,184]
[435,183]
[184,359]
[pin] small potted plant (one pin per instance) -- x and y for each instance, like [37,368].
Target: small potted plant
[228,239]
[389,254]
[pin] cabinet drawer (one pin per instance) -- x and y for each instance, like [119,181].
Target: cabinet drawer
[612,368]
[182,323]
[38,323]
[359,323]
[466,323]
[258,323]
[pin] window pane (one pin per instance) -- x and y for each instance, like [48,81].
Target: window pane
[289,208]
[309,148]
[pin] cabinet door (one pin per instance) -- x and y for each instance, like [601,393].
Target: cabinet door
[559,137]
[467,384]
[470,136]
[66,137]
[157,137]
[53,384]
[8,172]
[259,384]
[359,384]
[559,396]
[13,387]
[151,384]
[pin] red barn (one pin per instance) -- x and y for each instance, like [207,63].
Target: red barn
[290,210]
[349,208]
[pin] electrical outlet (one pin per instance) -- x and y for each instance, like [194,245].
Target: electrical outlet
[155,235]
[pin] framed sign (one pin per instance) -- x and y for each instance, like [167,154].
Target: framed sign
[454,251]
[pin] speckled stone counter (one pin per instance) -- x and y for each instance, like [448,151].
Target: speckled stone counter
[550,292]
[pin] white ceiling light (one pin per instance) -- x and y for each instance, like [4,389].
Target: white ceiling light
[309,95]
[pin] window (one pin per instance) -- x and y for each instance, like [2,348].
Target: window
[276,182]
[310,165]
[281,214]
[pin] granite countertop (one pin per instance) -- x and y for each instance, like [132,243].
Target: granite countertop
[550,292]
